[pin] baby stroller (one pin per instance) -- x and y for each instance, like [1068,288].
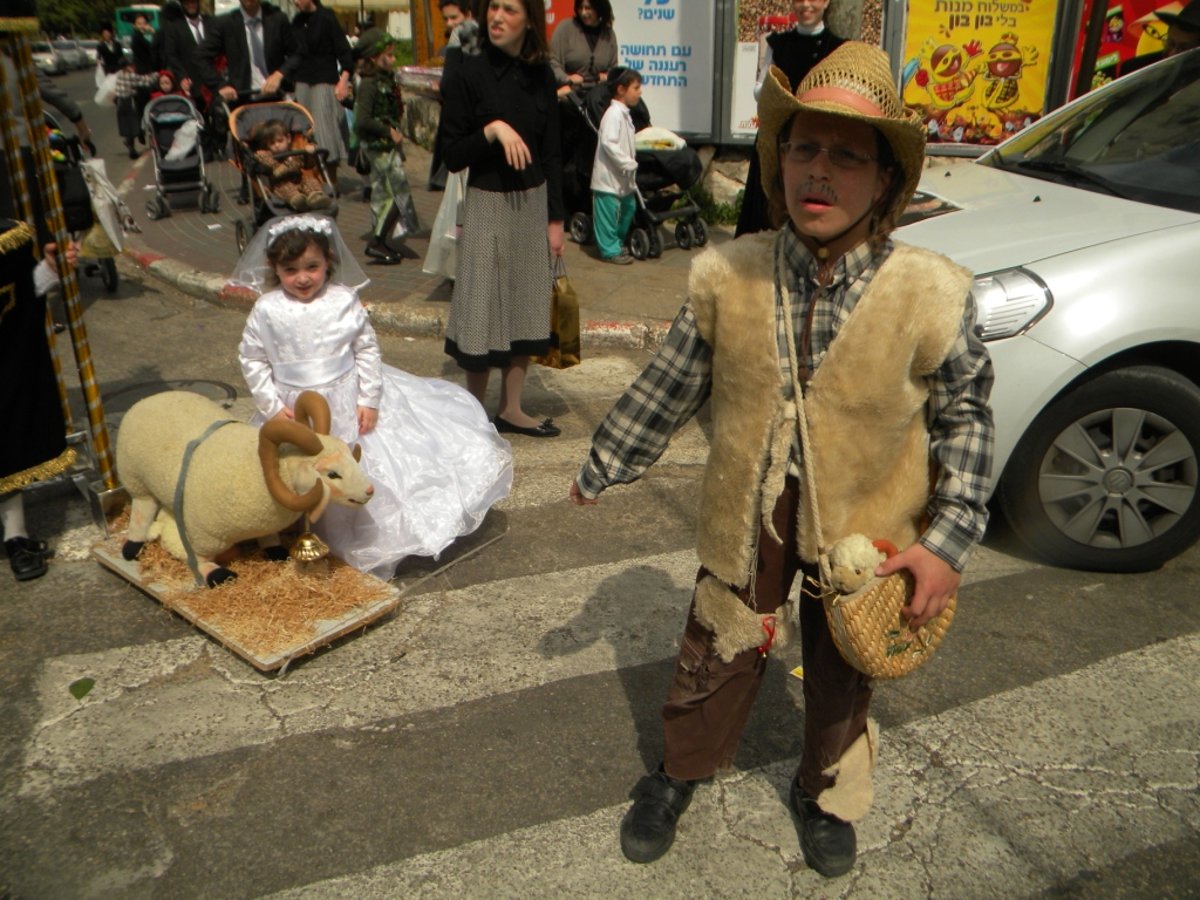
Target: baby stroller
[666,170]
[256,187]
[92,211]
[173,130]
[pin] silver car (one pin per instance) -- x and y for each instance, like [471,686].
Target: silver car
[73,55]
[1084,232]
[46,58]
[91,48]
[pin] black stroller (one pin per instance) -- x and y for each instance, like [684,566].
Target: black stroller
[173,129]
[663,179]
[256,187]
[76,199]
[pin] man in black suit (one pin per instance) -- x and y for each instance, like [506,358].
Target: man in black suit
[259,47]
[178,41]
[110,53]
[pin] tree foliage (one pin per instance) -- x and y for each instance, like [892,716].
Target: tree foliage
[81,18]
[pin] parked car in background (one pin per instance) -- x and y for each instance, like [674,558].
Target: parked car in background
[1084,232]
[47,59]
[91,48]
[72,54]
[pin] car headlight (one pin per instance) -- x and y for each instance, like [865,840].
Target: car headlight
[1008,303]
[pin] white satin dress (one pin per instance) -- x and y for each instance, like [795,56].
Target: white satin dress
[436,462]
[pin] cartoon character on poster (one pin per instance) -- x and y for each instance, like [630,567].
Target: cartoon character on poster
[975,73]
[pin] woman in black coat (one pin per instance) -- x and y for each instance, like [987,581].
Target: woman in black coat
[795,51]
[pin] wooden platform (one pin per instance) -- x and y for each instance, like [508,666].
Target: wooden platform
[322,627]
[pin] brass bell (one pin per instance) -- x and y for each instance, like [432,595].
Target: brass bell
[308,548]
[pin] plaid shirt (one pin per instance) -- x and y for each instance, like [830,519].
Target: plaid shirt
[129,81]
[678,380]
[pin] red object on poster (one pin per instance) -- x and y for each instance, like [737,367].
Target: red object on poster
[770,24]
[1131,29]
[558,11]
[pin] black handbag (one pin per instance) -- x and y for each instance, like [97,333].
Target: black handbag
[76,201]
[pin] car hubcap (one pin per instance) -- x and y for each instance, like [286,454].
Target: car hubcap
[1118,478]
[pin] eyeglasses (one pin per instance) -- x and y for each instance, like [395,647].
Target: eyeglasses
[806,152]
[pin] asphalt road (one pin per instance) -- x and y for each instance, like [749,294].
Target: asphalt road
[482,740]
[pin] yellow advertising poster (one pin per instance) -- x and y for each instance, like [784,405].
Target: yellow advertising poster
[977,69]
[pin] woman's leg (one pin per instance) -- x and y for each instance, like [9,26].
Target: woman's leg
[511,388]
[477,383]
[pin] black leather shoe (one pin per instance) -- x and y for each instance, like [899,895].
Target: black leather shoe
[26,565]
[545,428]
[828,843]
[41,548]
[648,829]
[385,255]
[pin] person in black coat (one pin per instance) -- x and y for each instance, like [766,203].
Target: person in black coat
[795,51]
[178,40]
[109,53]
[228,38]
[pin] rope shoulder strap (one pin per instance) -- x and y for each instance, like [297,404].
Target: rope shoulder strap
[177,505]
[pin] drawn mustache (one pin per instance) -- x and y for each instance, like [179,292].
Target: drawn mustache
[812,188]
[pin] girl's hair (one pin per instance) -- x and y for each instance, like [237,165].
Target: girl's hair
[603,10]
[291,245]
[534,49]
[269,132]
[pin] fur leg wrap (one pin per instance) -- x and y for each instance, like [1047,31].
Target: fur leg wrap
[734,625]
[851,794]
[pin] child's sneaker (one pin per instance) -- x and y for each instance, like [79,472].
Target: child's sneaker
[621,259]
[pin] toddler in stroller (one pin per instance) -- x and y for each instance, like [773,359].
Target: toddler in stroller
[302,182]
[666,168]
[290,179]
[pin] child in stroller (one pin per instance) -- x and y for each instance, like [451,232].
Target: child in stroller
[292,182]
[667,168]
[259,181]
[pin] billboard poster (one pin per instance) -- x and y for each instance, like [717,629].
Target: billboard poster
[977,69]
[752,30]
[1131,30]
[671,43]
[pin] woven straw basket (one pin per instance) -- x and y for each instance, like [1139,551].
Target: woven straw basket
[871,634]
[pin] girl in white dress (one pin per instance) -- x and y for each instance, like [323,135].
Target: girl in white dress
[436,462]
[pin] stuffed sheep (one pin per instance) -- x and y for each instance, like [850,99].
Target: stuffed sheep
[852,561]
[242,482]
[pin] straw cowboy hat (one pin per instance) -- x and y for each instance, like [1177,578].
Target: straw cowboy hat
[853,82]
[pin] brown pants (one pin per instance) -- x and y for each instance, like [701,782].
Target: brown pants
[710,700]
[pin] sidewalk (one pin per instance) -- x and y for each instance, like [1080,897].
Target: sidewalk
[626,306]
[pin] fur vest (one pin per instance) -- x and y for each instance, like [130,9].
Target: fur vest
[866,407]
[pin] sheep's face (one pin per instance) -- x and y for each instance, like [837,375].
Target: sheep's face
[344,478]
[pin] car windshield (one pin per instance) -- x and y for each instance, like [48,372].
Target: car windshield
[41,47]
[64,45]
[1138,138]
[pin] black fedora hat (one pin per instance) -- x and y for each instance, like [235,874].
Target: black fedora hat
[1187,18]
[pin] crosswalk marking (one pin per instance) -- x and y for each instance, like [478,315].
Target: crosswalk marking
[1008,788]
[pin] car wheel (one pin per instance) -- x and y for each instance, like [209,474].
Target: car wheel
[581,228]
[1107,477]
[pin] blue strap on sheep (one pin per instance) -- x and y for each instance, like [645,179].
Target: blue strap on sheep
[177,505]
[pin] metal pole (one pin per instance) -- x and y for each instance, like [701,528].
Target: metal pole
[52,206]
